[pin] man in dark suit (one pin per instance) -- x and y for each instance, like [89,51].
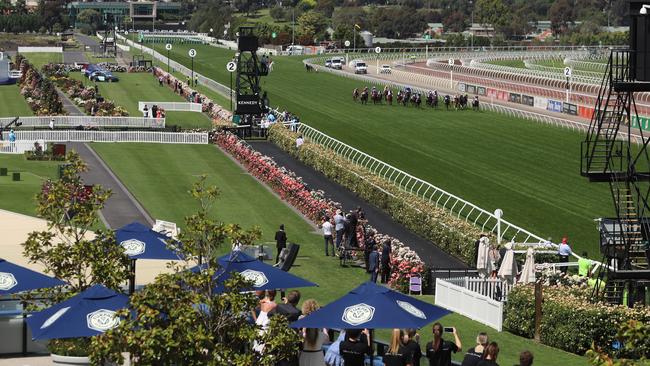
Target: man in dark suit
[373,264]
[289,308]
[386,250]
[280,241]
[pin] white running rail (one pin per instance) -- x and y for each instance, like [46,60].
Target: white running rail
[436,196]
[108,136]
[173,106]
[20,147]
[493,288]
[87,121]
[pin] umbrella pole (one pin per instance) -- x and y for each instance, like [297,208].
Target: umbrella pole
[24,345]
[132,278]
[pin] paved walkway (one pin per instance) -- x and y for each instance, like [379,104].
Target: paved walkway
[122,208]
[68,105]
[431,254]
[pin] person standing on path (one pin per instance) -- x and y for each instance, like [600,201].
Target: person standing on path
[280,241]
[385,261]
[339,226]
[564,251]
[327,235]
[373,264]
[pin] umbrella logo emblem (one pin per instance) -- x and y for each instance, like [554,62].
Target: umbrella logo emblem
[411,309]
[133,247]
[54,317]
[258,278]
[102,320]
[7,281]
[358,314]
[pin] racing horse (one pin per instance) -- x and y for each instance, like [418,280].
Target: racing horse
[376,96]
[475,105]
[416,100]
[389,97]
[355,94]
[400,96]
[407,97]
[364,96]
[447,101]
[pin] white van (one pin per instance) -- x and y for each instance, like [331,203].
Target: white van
[360,68]
[337,63]
[295,50]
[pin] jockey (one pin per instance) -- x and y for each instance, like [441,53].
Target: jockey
[389,92]
[408,89]
[365,89]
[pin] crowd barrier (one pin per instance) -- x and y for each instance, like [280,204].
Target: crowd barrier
[20,147]
[110,136]
[173,106]
[40,49]
[470,304]
[87,121]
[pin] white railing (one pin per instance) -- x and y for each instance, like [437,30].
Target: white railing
[436,196]
[40,49]
[470,304]
[20,147]
[530,64]
[173,106]
[108,136]
[493,288]
[583,64]
[88,121]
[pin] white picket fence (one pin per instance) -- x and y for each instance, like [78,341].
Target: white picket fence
[20,147]
[40,49]
[469,303]
[88,121]
[109,136]
[173,106]
[494,288]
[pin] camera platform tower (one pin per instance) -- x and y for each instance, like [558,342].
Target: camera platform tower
[615,151]
[249,98]
[108,45]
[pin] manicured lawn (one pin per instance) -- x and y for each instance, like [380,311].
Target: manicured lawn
[39,59]
[19,196]
[170,171]
[135,87]
[529,170]
[12,104]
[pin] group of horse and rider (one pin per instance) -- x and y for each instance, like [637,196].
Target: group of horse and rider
[407,96]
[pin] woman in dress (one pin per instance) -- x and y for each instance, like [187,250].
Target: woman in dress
[313,339]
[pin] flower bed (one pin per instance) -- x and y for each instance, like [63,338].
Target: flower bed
[38,90]
[221,117]
[83,96]
[313,204]
[453,235]
[569,320]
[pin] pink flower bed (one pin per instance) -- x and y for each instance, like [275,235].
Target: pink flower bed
[405,262]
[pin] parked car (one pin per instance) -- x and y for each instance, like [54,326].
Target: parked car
[385,69]
[328,63]
[360,68]
[101,75]
[337,63]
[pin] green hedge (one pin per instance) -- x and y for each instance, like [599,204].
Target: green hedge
[453,235]
[569,320]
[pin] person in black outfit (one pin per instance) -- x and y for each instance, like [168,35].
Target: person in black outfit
[289,307]
[385,261]
[280,241]
[397,354]
[412,345]
[525,358]
[475,354]
[490,356]
[439,351]
[354,349]
[352,229]
[368,247]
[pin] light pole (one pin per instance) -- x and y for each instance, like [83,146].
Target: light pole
[168,47]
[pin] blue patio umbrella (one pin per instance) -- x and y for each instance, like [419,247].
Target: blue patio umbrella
[87,314]
[141,242]
[14,279]
[374,307]
[263,276]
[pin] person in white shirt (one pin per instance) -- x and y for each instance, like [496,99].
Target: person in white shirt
[51,123]
[339,222]
[327,234]
[145,111]
[299,141]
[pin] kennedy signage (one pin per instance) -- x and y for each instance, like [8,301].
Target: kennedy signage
[248,104]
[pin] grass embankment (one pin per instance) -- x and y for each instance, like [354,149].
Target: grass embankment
[135,87]
[529,170]
[12,104]
[39,59]
[19,196]
[171,169]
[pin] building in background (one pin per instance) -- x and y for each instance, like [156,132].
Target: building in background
[134,10]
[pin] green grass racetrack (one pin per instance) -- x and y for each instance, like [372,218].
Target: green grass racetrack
[170,172]
[529,170]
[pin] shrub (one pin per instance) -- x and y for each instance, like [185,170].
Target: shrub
[569,320]
[453,235]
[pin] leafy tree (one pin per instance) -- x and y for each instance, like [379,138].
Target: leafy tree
[244,6]
[278,13]
[635,338]
[561,14]
[211,14]
[66,249]
[306,5]
[91,17]
[349,16]
[397,22]
[312,26]
[181,319]
[454,22]
[51,12]
[326,7]
[492,12]
[344,33]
